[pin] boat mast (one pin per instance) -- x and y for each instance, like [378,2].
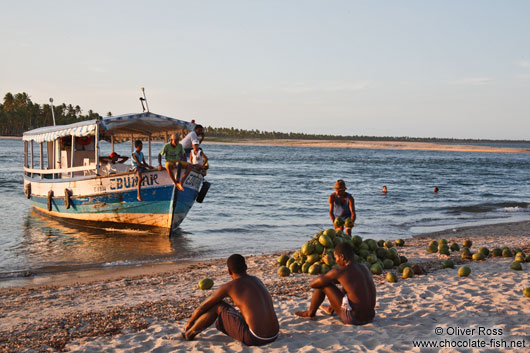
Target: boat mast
[144,100]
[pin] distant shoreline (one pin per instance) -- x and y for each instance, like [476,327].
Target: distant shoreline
[384,145]
[388,145]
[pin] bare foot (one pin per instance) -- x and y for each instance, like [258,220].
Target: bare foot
[327,309]
[179,186]
[139,198]
[188,336]
[304,314]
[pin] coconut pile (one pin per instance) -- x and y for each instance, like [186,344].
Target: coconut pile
[316,256]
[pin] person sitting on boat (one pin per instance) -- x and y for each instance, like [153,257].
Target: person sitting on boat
[200,160]
[174,154]
[341,204]
[355,303]
[114,158]
[256,318]
[138,162]
[193,140]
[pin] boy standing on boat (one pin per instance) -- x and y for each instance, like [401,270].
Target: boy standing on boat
[138,162]
[256,323]
[174,154]
[193,140]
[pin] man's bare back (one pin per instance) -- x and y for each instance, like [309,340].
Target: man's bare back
[255,324]
[357,307]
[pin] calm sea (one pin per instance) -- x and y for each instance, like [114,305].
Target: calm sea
[266,199]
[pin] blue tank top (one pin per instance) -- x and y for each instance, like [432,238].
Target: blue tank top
[342,209]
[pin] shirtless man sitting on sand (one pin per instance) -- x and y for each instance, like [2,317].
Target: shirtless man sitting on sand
[255,325]
[355,303]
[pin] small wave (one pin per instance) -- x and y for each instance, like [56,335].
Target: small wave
[487,207]
[516,209]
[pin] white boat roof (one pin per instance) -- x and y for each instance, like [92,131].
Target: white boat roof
[121,127]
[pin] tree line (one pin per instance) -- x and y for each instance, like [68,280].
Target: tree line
[19,114]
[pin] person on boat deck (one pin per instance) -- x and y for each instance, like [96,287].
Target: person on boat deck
[174,154]
[114,158]
[193,140]
[199,159]
[341,204]
[138,162]
[256,323]
[355,303]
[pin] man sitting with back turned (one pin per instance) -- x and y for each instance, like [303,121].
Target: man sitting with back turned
[355,303]
[255,325]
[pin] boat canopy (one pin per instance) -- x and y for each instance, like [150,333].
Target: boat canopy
[51,133]
[120,127]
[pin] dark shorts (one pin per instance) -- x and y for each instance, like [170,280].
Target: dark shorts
[231,323]
[140,169]
[347,316]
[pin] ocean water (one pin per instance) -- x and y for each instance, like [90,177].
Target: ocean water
[265,199]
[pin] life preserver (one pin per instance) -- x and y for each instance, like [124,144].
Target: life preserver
[67,198]
[85,140]
[27,190]
[50,199]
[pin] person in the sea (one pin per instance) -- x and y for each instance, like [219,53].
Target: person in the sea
[193,139]
[114,158]
[341,203]
[138,162]
[384,191]
[435,189]
[174,154]
[255,324]
[355,303]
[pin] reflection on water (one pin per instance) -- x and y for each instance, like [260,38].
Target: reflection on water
[56,243]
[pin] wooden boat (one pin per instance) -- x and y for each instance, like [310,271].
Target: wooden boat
[71,181]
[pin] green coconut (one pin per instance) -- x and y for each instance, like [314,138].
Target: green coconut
[455,247]
[477,256]
[364,253]
[527,258]
[432,248]
[381,252]
[372,245]
[294,268]
[466,255]
[357,240]
[282,260]
[371,258]
[516,266]
[376,269]
[330,232]
[433,243]
[399,242]
[526,292]
[484,251]
[445,251]
[467,243]
[388,244]
[507,253]
[402,266]
[448,264]
[283,271]
[396,260]
[328,259]
[408,273]
[381,243]
[496,252]
[403,259]
[314,269]
[308,248]
[464,271]
[338,222]
[325,241]
[324,268]
[348,223]
[388,264]
[205,283]
[305,267]
[390,277]
[290,261]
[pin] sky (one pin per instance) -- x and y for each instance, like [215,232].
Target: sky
[456,69]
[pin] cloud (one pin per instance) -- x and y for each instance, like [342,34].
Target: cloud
[471,81]
[329,87]
[525,64]
[97,69]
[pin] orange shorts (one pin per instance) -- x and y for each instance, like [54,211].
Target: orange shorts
[173,164]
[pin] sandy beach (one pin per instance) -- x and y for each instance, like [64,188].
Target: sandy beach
[145,309]
[389,145]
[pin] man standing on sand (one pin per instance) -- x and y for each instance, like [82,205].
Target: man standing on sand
[356,302]
[257,318]
[341,204]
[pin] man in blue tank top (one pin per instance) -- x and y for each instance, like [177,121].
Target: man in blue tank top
[341,204]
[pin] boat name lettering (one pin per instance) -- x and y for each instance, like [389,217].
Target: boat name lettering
[99,188]
[127,182]
[193,181]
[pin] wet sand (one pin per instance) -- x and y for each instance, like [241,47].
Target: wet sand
[145,308]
